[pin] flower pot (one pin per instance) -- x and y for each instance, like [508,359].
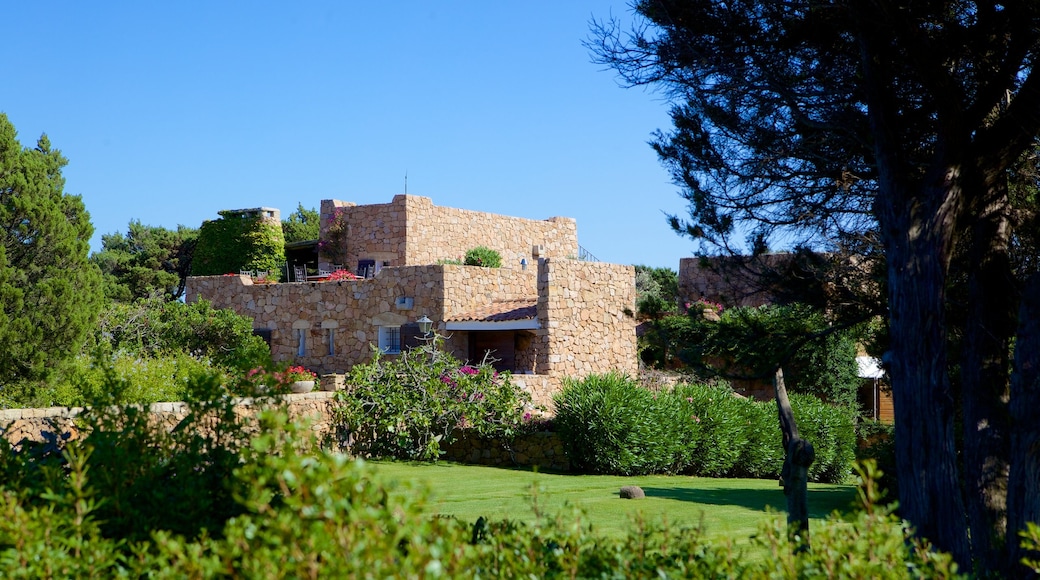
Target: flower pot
[303,386]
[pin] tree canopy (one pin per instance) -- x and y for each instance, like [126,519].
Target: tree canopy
[907,127]
[50,293]
[302,225]
[148,260]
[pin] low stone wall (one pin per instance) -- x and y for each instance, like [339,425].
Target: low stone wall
[543,450]
[58,424]
[40,425]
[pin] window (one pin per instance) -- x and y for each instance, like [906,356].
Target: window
[301,341]
[390,339]
[332,341]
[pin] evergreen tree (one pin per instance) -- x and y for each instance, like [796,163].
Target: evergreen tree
[50,293]
[900,122]
[148,260]
[302,225]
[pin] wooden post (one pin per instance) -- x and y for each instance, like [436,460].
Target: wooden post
[798,456]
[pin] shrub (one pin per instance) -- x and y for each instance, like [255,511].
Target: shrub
[149,476]
[409,406]
[609,424]
[876,442]
[148,378]
[719,415]
[483,256]
[832,431]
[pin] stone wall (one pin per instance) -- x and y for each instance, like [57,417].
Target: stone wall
[730,281]
[40,424]
[411,230]
[589,324]
[351,311]
[58,424]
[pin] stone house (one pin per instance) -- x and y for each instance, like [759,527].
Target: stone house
[544,315]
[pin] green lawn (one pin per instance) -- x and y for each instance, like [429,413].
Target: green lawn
[731,508]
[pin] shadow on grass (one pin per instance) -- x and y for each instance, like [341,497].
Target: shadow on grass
[821,501]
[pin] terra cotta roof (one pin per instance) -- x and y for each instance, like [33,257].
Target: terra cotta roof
[500,311]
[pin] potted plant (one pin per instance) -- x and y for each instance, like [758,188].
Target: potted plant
[300,379]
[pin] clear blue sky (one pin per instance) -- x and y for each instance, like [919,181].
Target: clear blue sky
[169,112]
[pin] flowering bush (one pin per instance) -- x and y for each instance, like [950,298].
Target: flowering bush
[410,406]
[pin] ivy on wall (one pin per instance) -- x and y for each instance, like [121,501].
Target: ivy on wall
[236,242]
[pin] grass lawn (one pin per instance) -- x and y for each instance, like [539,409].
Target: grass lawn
[731,508]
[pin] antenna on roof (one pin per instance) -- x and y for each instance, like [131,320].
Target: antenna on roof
[406,182]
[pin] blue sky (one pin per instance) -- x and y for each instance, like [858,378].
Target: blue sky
[169,112]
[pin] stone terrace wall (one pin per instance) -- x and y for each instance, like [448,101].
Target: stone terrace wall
[411,230]
[585,309]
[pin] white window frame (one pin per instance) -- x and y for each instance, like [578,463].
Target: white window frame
[390,337]
[301,342]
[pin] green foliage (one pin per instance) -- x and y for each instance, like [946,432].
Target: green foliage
[150,477]
[876,442]
[832,431]
[289,510]
[50,293]
[333,243]
[609,424]
[153,327]
[409,405]
[483,256]
[149,260]
[872,543]
[657,292]
[750,342]
[148,378]
[301,225]
[235,242]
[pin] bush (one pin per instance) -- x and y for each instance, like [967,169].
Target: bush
[409,406]
[609,424]
[483,256]
[149,476]
[832,431]
[148,378]
[876,442]
[720,418]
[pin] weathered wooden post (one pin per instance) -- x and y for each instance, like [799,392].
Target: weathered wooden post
[798,456]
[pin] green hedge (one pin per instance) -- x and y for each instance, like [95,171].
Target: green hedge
[609,424]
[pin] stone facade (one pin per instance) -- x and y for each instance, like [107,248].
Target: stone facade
[582,323]
[411,230]
[550,318]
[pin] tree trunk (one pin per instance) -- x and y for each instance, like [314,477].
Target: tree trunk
[798,456]
[917,230]
[1023,497]
[985,368]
